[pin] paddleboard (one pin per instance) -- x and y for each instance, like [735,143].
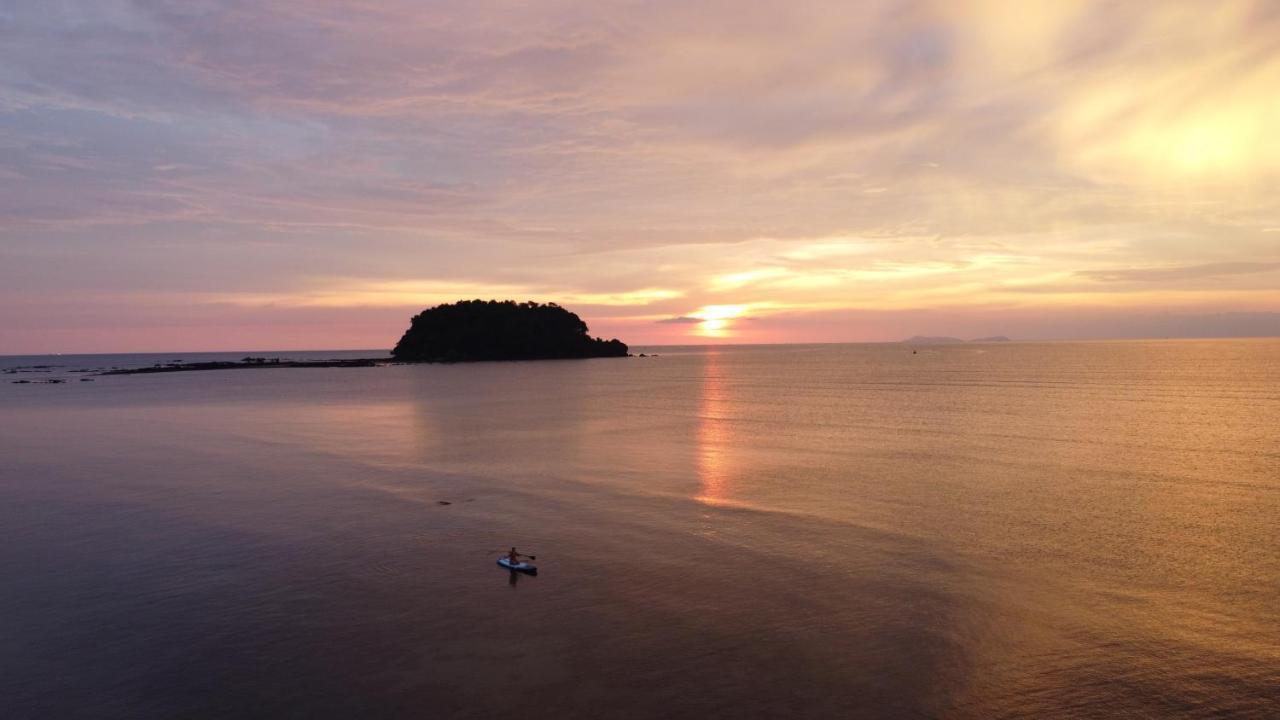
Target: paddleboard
[523,567]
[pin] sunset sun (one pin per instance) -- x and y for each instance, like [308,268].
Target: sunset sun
[717,319]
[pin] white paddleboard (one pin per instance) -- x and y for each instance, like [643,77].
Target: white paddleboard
[523,567]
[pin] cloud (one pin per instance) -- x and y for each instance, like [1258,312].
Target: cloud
[1189,272]
[642,159]
[680,320]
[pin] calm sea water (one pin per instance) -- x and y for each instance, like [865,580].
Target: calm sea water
[974,531]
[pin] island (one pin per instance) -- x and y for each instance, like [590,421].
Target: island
[464,331]
[472,330]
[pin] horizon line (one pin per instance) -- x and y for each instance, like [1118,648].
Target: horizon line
[904,341]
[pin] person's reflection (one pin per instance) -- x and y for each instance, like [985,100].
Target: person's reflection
[515,578]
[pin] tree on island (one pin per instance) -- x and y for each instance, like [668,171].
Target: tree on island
[472,330]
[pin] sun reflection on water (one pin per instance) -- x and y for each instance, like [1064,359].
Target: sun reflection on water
[713,436]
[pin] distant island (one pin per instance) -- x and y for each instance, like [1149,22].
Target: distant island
[473,330]
[941,340]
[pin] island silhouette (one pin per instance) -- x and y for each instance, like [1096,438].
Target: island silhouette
[464,331]
[474,330]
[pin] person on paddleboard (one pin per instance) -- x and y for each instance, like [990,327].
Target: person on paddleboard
[514,557]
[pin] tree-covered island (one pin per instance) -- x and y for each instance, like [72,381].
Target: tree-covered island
[472,330]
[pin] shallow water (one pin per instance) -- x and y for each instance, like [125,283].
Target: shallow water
[1048,530]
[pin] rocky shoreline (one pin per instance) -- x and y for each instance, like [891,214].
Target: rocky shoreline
[248,364]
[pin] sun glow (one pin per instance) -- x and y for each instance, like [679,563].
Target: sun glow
[717,319]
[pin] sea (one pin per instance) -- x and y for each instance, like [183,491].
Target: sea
[1003,530]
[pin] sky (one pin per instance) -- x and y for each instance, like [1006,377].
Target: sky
[218,174]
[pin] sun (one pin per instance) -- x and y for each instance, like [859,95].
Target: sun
[716,319]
